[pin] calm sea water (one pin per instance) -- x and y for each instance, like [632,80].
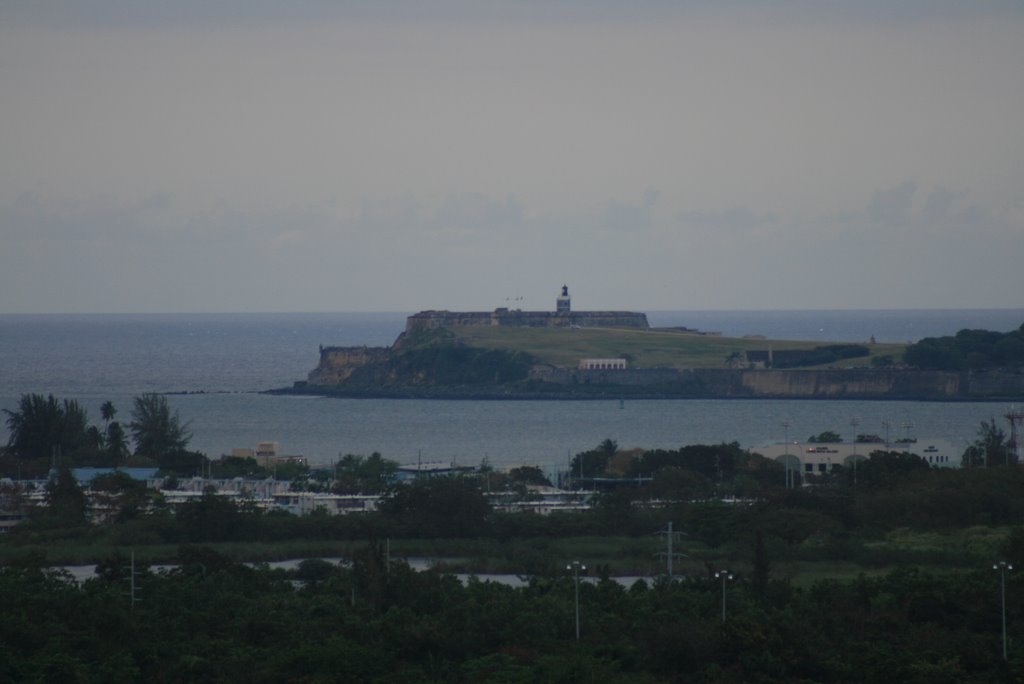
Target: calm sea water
[223,360]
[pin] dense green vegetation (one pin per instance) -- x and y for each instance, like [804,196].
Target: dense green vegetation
[445,365]
[882,575]
[46,430]
[819,356]
[842,518]
[969,350]
[212,620]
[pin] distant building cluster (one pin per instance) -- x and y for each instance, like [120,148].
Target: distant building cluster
[266,456]
[265,494]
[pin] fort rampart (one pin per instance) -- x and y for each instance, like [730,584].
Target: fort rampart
[430,320]
[800,384]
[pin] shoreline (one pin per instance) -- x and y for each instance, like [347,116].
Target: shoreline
[614,393]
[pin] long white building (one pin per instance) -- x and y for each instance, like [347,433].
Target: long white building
[814,458]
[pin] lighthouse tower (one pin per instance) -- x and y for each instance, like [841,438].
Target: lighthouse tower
[563,305]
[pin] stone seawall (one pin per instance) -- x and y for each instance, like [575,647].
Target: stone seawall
[817,384]
[337,365]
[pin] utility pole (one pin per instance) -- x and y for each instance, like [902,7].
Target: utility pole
[132,587]
[785,427]
[668,553]
[576,567]
[1003,567]
[854,423]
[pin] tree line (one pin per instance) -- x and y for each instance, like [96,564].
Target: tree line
[44,430]
[968,350]
[376,620]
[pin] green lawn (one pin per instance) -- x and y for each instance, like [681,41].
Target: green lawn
[643,348]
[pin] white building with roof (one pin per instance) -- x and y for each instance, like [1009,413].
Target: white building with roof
[820,458]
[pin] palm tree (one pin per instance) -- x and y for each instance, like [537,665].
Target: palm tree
[156,431]
[117,443]
[43,425]
[107,411]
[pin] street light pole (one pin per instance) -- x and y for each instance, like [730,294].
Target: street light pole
[1003,567]
[723,575]
[854,423]
[785,427]
[576,566]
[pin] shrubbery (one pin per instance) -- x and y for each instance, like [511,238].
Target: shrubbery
[968,350]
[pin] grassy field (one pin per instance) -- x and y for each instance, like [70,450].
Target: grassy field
[642,348]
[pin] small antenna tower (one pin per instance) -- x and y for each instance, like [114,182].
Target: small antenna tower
[668,554]
[1016,418]
[133,587]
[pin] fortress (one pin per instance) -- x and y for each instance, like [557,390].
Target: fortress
[337,364]
[562,317]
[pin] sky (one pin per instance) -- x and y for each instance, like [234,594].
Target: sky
[241,155]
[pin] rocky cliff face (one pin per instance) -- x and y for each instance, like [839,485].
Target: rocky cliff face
[338,363]
[369,368]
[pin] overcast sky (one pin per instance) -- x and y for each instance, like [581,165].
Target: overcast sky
[330,156]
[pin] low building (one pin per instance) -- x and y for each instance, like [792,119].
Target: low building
[821,458]
[87,474]
[266,455]
[542,500]
[306,503]
[411,471]
[602,364]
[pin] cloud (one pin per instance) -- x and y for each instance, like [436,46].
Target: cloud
[735,219]
[939,203]
[892,206]
[475,212]
[440,143]
[623,216]
[120,13]
[35,216]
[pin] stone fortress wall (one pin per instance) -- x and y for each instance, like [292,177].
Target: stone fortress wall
[431,320]
[805,384]
[562,317]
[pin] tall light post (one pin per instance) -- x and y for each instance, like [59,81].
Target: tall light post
[908,426]
[1003,567]
[723,575]
[854,423]
[576,567]
[785,427]
[885,424]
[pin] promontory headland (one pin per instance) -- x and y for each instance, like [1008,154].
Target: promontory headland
[566,354]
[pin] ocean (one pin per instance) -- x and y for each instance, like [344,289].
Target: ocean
[214,367]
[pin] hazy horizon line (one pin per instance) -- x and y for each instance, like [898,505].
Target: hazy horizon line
[406,312]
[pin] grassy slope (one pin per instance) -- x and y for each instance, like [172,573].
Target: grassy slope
[644,348]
